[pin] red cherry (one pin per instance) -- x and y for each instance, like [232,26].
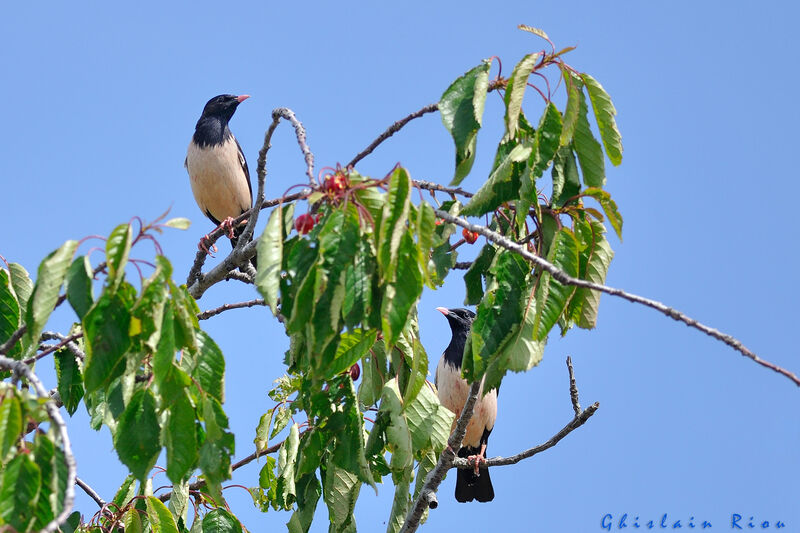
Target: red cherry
[469,236]
[355,372]
[304,223]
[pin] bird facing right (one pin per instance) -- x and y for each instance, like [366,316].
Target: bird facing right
[453,392]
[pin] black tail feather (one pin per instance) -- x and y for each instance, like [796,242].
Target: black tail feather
[469,486]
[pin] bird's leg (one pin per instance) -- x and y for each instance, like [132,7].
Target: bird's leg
[203,245]
[228,225]
[479,459]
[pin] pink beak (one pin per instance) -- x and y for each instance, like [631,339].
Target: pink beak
[445,311]
[242,97]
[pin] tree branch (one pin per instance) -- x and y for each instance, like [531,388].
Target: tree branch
[90,491]
[226,307]
[565,279]
[580,418]
[391,130]
[20,368]
[249,459]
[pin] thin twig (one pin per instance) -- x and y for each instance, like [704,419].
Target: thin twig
[226,307]
[565,279]
[20,368]
[430,186]
[573,388]
[445,463]
[12,340]
[54,335]
[90,491]
[391,130]
[235,466]
[53,348]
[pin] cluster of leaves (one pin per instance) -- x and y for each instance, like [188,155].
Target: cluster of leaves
[344,279]
[125,371]
[347,288]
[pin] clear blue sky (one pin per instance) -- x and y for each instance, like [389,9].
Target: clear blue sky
[99,103]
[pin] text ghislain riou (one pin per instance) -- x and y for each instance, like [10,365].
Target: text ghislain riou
[737,522]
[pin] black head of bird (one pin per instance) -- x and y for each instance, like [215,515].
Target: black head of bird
[212,128]
[460,321]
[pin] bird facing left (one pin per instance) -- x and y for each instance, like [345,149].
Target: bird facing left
[217,167]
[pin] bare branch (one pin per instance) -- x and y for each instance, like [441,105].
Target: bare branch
[573,424]
[430,186]
[391,130]
[20,368]
[565,279]
[12,340]
[90,491]
[66,341]
[54,335]
[445,463]
[226,307]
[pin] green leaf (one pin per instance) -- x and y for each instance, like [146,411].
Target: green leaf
[401,501]
[22,284]
[461,108]
[49,501]
[503,182]
[308,493]
[49,279]
[393,223]
[515,90]
[132,521]
[106,327]
[609,207]
[604,113]
[498,314]
[210,370]
[352,347]
[10,424]
[19,490]
[9,312]
[551,296]
[574,89]
[282,416]
[178,223]
[595,260]
[79,285]
[520,353]
[118,246]
[428,421]
[287,461]
[478,269]
[426,225]
[180,439]
[70,380]
[179,501]
[566,180]
[148,311]
[547,136]
[125,492]
[161,519]
[137,436]
[221,521]
[400,297]
[397,432]
[262,430]
[270,259]
[340,492]
[358,295]
[590,153]
[164,356]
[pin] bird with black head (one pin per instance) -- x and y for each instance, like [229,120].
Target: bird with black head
[453,392]
[217,167]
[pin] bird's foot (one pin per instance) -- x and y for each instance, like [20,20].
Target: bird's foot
[203,246]
[227,224]
[479,459]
